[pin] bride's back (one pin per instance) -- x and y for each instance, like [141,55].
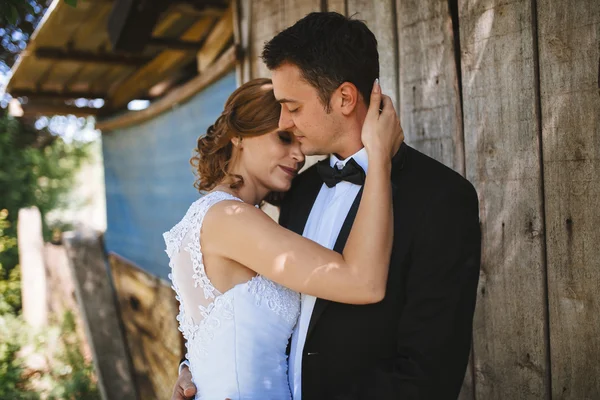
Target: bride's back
[236,338]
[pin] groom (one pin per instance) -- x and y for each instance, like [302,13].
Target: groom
[415,343]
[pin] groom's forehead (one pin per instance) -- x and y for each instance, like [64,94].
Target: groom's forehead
[289,85]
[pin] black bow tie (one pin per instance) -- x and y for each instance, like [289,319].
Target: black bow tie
[331,176]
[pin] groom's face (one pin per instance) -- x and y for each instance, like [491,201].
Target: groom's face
[303,113]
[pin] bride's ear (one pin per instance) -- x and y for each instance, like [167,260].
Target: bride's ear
[347,97]
[237,142]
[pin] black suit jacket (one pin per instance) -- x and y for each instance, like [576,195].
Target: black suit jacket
[415,343]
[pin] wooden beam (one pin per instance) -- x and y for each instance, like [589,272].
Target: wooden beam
[158,69]
[224,64]
[189,9]
[175,44]
[54,95]
[131,22]
[58,54]
[221,34]
[37,109]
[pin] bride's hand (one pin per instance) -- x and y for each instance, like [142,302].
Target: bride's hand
[382,133]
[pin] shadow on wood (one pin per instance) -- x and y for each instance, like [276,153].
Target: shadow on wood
[148,311]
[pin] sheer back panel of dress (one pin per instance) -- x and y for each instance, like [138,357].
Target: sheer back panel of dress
[185,253]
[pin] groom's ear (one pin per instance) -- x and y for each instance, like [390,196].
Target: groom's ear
[348,97]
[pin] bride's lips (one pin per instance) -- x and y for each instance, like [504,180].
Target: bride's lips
[290,171]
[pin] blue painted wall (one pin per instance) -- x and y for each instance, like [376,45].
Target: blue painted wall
[149,181]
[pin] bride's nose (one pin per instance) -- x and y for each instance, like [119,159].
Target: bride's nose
[296,153]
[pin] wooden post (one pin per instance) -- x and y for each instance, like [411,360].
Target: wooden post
[569,54]
[502,148]
[242,25]
[31,262]
[429,87]
[338,6]
[96,298]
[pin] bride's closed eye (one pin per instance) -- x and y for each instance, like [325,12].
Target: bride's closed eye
[285,137]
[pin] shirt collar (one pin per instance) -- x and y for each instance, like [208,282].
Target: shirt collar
[360,157]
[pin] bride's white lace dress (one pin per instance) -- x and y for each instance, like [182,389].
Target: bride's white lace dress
[236,341]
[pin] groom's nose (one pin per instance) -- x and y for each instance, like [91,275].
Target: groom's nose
[285,120]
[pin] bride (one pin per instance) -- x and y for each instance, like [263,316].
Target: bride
[238,274]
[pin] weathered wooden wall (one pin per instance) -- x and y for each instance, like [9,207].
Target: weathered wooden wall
[507,94]
[148,311]
[569,57]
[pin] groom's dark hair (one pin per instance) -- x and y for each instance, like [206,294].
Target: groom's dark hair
[329,49]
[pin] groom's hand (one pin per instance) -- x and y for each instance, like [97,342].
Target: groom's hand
[184,387]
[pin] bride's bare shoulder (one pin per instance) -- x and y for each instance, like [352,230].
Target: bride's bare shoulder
[231,212]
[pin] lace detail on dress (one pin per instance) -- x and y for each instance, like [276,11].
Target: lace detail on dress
[281,300]
[187,233]
[193,220]
[203,337]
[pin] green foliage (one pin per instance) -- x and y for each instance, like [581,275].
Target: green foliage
[36,169]
[13,383]
[72,377]
[18,20]
[68,376]
[12,11]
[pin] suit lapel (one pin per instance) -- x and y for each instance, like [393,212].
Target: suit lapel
[301,208]
[340,242]
[397,165]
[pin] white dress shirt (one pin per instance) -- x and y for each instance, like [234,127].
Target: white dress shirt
[323,226]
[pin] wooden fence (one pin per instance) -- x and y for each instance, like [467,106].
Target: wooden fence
[507,94]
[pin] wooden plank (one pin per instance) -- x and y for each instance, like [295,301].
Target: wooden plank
[267,21]
[32,94]
[569,34]
[65,26]
[177,96]
[338,6]
[242,26]
[219,36]
[161,67]
[380,17]
[108,79]
[429,89]
[27,70]
[102,325]
[148,309]
[92,37]
[503,162]
[294,10]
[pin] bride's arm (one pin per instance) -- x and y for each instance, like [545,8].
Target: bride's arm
[242,233]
